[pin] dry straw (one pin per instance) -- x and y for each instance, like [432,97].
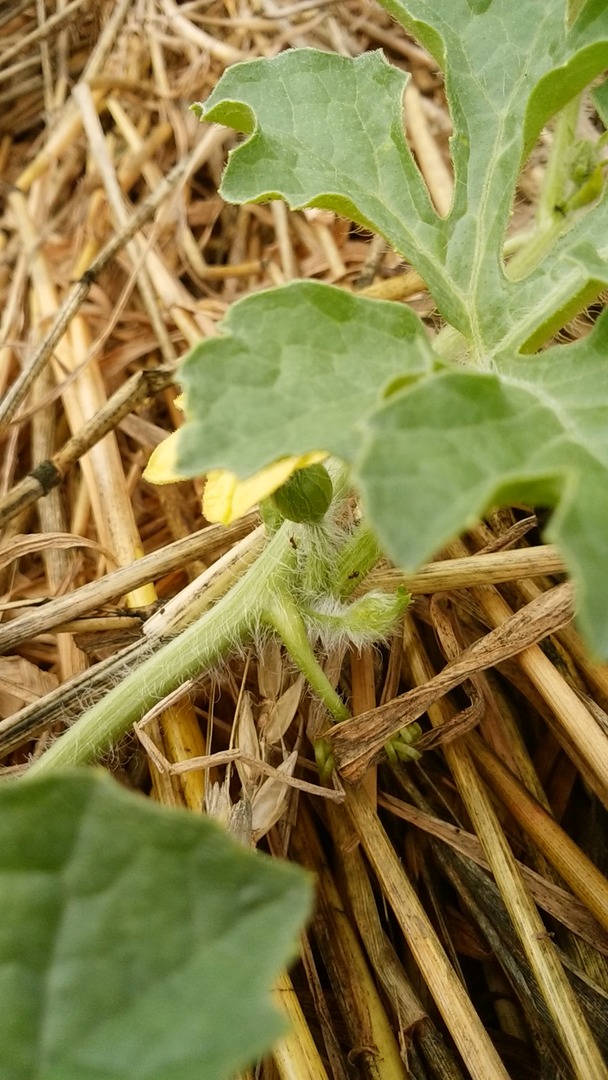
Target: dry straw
[427,955]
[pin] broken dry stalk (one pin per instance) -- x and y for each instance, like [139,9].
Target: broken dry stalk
[451,999]
[561,1001]
[356,743]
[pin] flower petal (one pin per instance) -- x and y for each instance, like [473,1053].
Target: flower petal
[227,498]
[162,461]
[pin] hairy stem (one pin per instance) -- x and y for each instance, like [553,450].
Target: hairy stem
[190,654]
[550,220]
[283,615]
[358,556]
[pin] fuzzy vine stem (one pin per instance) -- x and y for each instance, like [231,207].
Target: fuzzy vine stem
[358,556]
[194,651]
[269,593]
[283,615]
[550,215]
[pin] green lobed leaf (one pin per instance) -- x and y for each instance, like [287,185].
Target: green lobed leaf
[327,131]
[445,451]
[295,370]
[136,943]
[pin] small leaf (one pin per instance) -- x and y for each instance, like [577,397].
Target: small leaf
[363,621]
[293,373]
[132,936]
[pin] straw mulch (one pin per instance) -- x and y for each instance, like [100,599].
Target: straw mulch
[97,148]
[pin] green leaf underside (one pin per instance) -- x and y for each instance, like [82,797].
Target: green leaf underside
[326,131]
[296,369]
[464,442]
[136,943]
[329,133]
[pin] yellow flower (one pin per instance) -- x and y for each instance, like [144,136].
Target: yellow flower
[227,498]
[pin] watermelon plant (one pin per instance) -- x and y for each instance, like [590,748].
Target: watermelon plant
[429,433]
[311,392]
[491,411]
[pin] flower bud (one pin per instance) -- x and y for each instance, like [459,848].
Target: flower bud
[306,496]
